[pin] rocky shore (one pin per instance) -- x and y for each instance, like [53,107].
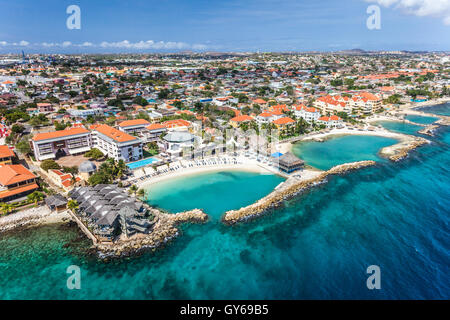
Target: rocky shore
[164,230]
[400,150]
[287,190]
[31,217]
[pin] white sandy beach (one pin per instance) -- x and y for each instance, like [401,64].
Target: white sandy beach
[250,166]
[345,131]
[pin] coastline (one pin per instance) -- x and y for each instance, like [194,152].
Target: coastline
[287,190]
[394,152]
[32,217]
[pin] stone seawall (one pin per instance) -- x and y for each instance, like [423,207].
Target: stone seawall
[290,187]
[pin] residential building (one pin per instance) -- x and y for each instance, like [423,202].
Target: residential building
[236,121]
[331,121]
[6,155]
[308,114]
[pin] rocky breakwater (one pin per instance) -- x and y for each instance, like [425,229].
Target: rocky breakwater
[431,128]
[400,150]
[164,229]
[288,189]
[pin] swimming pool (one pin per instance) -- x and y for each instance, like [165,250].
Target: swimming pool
[142,163]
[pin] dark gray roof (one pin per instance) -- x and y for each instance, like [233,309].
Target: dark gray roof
[108,219]
[56,200]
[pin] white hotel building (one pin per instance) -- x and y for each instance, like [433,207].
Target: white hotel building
[116,144]
[112,142]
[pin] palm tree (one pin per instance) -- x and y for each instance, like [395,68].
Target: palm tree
[36,196]
[72,205]
[133,189]
[121,168]
[141,193]
[6,208]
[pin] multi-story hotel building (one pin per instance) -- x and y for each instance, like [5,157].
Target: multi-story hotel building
[133,126]
[71,141]
[116,144]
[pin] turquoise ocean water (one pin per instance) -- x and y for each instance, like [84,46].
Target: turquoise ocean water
[401,127]
[342,149]
[421,119]
[215,192]
[394,215]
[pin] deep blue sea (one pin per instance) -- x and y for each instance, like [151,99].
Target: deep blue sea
[318,246]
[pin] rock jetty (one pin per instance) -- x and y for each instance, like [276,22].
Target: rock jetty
[288,189]
[400,150]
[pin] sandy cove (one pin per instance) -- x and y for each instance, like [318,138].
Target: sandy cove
[395,152]
[288,189]
[164,230]
[250,166]
[32,217]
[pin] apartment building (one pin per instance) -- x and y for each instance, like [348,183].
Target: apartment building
[308,114]
[116,144]
[50,145]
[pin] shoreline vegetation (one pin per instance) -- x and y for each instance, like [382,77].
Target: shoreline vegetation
[165,226]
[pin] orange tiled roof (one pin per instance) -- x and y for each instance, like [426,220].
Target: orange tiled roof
[113,133]
[59,134]
[13,173]
[241,118]
[5,152]
[155,126]
[18,190]
[284,120]
[176,123]
[134,122]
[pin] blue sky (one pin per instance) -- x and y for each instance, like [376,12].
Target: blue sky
[210,25]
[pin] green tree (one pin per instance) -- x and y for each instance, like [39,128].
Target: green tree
[35,197]
[141,193]
[6,208]
[23,146]
[133,189]
[94,153]
[50,164]
[72,205]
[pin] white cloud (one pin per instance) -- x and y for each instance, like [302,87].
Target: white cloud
[149,44]
[125,44]
[421,8]
[22,43]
